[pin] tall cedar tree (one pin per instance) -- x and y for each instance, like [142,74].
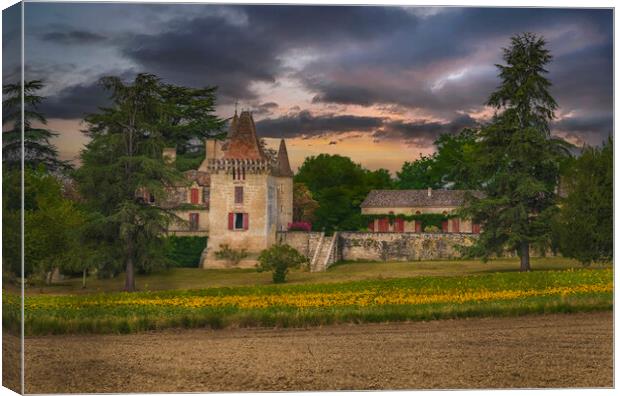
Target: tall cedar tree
[519,160]
[584,226]
[124,159]
[37,146]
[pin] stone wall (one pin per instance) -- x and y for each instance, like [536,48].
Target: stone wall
[381,246]
[304,242]
[393,246]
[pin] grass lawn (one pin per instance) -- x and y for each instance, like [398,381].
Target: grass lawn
[499,293]
[194,278]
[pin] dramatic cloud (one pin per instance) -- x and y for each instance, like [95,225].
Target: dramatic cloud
[73,37]
[388,73]
[213,50]
[75,102]
[265,108]
[305,124]
[422,133]
[445,62]
[11,44]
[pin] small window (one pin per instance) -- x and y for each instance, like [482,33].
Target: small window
[193,221]
[238,194]
[238,221]
[151,198]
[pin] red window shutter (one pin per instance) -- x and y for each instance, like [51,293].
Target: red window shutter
[418,226]
[194,195]
[371,226]
[246,221]
[384,224]
[231,221]
[444,226]
[475,228]
[400,225]
[455,225]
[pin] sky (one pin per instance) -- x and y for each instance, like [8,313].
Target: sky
[375,83]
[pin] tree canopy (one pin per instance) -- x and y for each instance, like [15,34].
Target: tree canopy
[584,225]
[452,166]
[339,186]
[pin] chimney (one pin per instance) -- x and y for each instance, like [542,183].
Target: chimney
[430,192]
[170,155]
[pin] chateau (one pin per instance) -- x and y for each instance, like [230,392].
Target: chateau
[239,197]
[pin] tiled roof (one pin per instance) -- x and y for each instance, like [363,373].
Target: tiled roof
[417,198]
[283,167]
[243,142]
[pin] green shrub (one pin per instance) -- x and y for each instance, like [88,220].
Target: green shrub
[233,256]
[185,251]
[278,259]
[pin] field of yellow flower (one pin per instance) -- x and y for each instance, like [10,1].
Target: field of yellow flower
[302,305]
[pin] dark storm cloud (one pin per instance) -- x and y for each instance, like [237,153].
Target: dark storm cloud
[305,124]
[73,37]
[592,130]
[584,79]
[298,26]
[265,108]
[405,70]
[387,57]
[422,133]
[212,50]
[11,44]
[75,102]
[207,51]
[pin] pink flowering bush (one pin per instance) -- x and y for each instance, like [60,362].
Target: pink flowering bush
[300,226]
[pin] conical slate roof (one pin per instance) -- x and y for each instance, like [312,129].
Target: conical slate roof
[283,167]
[243,142]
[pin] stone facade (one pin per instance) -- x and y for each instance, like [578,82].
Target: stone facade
[239,196]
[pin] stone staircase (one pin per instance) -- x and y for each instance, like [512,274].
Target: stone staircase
[325,253]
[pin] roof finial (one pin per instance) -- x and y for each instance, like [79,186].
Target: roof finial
[236,103]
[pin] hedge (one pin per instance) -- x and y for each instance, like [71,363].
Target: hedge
[185,251]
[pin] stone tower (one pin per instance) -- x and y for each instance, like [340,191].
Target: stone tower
[251,194]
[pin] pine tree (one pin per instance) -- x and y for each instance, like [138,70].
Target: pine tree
[37,146]
[518,158]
